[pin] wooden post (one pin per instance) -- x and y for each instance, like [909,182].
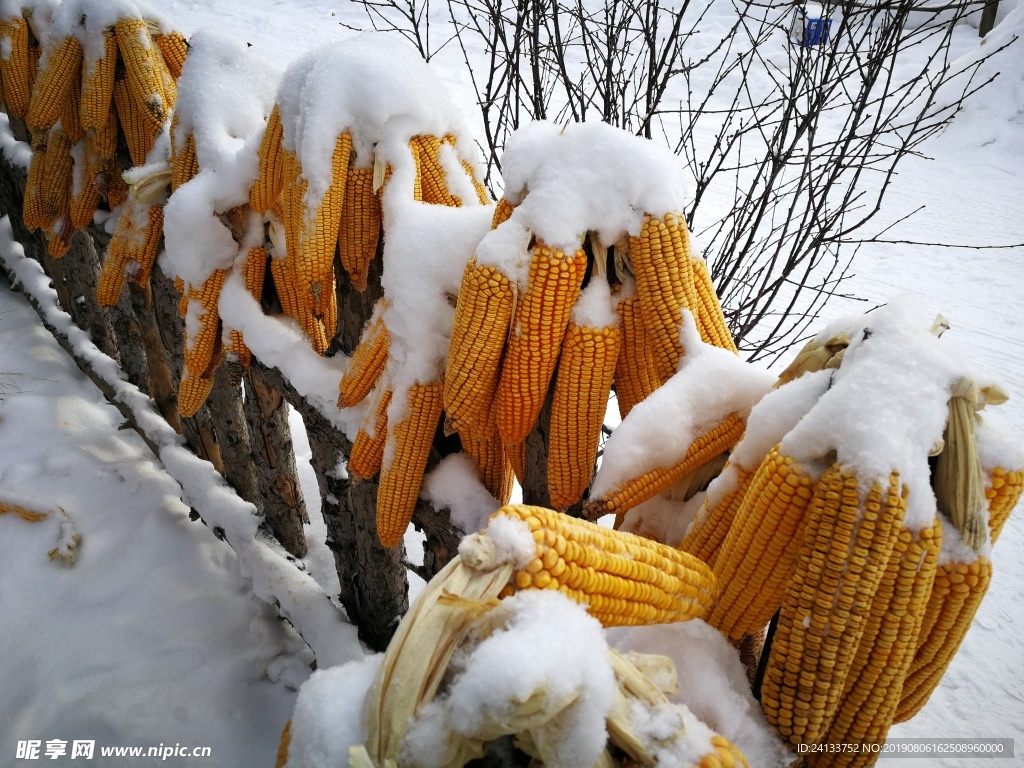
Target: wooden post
[988,17]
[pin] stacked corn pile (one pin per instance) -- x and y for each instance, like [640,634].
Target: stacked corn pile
[832,516]
[598,297]
[596,709]
[105,87]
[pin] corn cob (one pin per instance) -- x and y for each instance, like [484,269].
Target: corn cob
[54,84]
[142,251]
[15,67]
[622,579]
[482,318]
[367,363]
[174,48]
[368,448]
[483,445]
[25,514]
[955,598]
[35,53]
[59,239]
[103,141]
[502,211]
[726,755]
[516,453]
[430,173]
[585,370]
[254,272]
[111,279]
[98,86]
[56,190]
[86,199]
[400,478]
[710,320]
[116,188]
[1002,493]
[713,521]
[635,376]
[538,328]
[872,690]
[70,113]
[202,351]
[842,560]
[33,207]
[760,550]
[359,228]
[628,495]
[184,163]
[664,282]
[142,71]
[139,131]
[270,179]
[167,81]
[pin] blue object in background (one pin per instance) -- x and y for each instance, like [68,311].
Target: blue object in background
[810,25]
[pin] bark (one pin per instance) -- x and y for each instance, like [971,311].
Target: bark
[270,443]
[232,433]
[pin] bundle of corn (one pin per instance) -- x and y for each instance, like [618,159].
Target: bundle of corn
[326,192]
[106,77]
[21,29]
[211,233]
[531,665]
[537,296]
[829,505]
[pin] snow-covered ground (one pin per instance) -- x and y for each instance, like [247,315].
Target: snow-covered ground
[152,637]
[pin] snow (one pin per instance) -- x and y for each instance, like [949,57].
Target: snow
[509,541]
[547,654]
[711,384]
[453,484]
[161,639]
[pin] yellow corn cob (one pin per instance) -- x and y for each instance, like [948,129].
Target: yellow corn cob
[367,364]
[359,229]
[726,755]
[142,71]
[285,286]
[635,375]
[502,210]
[582,386]
[59,239]
[430,173]
[664,283]
[483,445]
[184,164]
[368,448]
[872,690]
[53,85]
[111,278]
[70,116]
[955,598]
[481,191]
[174,48]
[56,193]
[87,199]
[141,252]
[843,558]
[516,453]
[254,272]
[621,578]
[712,523]
[482,318]
[760,550]
[15,67]
[538,328]
[1002,491]
[33,207]
[167,81]
[203,352]
[628,495]
[710,319]
[270,180]
[103,141]
[401,479]
[35,53]
[311,241]
[139,131]
[98,86]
